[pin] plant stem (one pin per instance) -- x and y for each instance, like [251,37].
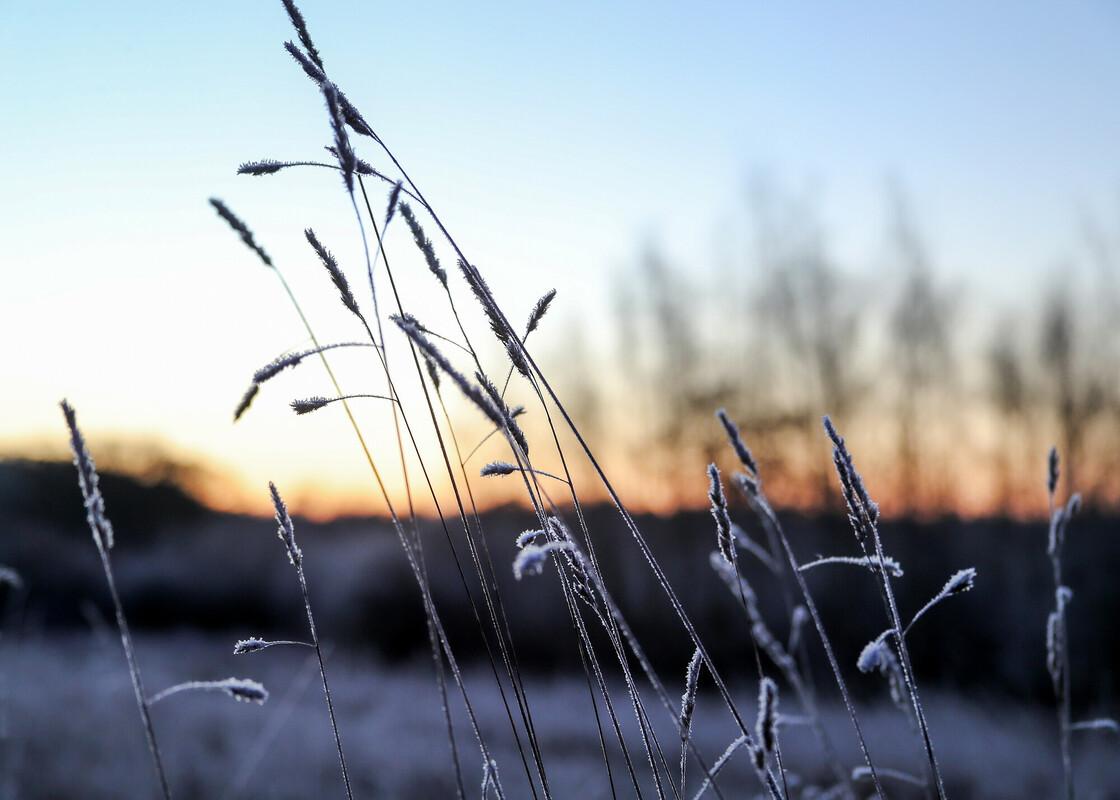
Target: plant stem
[1064,715]
[323,675]
[770,519]
[429,607]
[134,671]
[765,776]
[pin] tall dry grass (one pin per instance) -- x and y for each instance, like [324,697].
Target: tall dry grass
[560,541]
[103,538]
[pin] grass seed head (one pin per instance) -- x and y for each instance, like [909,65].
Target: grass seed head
[531,558]
[539,310]
[88,481]
[266,166]
[308,404]
[423,243]
[301,31]
[391,207]
[688,699]
[241,229]
[719,513]
[246,400]
[347,161]
[250,645]
[285,530]
[338,278]
[527,537]
[244,690]
[766,724]
[737,444]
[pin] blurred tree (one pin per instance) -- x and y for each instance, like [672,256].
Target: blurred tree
[1078,380]
[781,333]
[921,352]
[809,315]
[1010,394]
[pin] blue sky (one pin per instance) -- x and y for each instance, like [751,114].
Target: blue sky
[557,139]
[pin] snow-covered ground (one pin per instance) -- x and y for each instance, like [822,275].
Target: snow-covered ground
[70,729]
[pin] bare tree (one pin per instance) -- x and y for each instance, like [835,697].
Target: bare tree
[921,353]
[1010,394]
[1077,382]
[810,314]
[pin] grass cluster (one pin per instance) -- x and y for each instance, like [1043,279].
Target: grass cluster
[559,544]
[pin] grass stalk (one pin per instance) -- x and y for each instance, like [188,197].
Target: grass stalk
[102,532]
[1057,630]
[429,608]
[485,582]
[864,516]
[287,535]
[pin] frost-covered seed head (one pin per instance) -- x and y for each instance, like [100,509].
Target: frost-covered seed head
[862,511]
[766,725]
[250,645]
[285,530]
[276,366]
[1055,646]
[874,655]
[246,400]
[960,582]
[347,161]
[539,310]
[1052,471]
[301,30]
[265,166]
[349,113]
[719,513]
[391,207]
[688,699]
[241,689]
[531,558]
[241,229]
[527,538]
[338,278]
[88,481]
[309,404]
[737,444]
[423,243]
[245,690]
[509,423]
[476,395]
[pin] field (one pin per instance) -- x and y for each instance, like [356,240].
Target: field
[68,713]
[196,581]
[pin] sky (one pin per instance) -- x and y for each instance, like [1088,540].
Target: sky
[557,140]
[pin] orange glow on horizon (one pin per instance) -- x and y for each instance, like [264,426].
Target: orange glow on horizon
[223,489]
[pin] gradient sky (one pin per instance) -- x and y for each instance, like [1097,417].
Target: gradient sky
[556,139]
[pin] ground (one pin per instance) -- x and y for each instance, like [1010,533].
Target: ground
[71,730]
